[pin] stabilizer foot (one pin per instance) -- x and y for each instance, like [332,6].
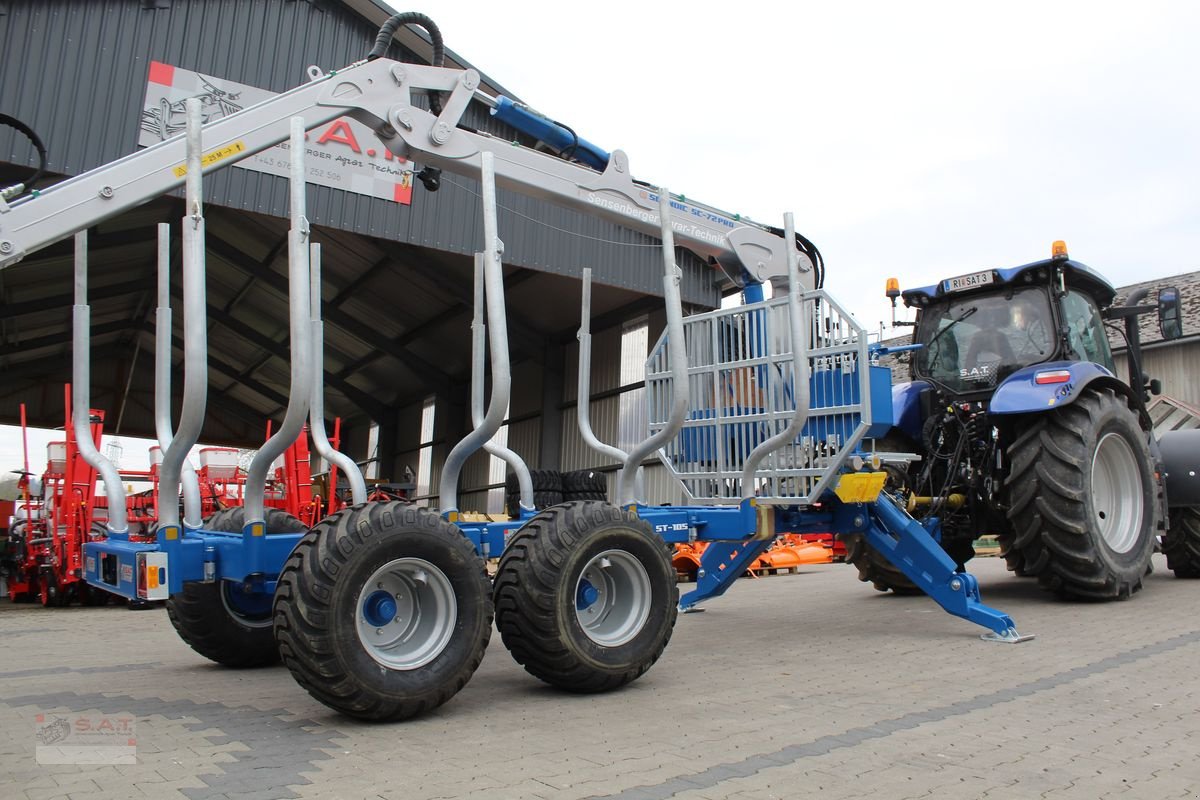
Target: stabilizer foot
[1009,636]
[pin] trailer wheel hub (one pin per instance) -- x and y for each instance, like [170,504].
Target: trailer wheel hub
[380,608]
[406,613]
[613,598]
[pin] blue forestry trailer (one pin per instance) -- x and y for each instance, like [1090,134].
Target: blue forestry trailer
[764,413]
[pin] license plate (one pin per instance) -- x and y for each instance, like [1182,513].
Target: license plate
[969,281]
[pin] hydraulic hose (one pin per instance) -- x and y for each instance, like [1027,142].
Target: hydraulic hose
[9,192]
[389,28]
[809,249]
[384,39]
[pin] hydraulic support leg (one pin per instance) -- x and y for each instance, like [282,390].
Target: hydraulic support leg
[907,544]
[721,565]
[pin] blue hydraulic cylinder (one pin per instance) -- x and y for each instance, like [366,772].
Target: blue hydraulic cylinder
[753,293]
[554,134]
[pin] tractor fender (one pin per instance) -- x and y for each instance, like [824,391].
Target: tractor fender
[906,407]
[1020,393]
[1181,466]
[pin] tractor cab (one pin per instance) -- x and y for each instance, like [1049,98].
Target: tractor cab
[978,329]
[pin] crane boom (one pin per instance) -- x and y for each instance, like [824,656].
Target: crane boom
[380,93]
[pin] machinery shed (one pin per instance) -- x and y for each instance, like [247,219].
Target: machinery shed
[397,268]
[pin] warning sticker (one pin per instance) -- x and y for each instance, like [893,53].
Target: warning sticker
[213,156]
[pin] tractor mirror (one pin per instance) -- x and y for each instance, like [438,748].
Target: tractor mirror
[1170,320]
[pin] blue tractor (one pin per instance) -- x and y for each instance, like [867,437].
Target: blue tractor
[1024,430]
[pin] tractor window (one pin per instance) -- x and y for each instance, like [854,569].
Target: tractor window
[1085,330]
[974,341]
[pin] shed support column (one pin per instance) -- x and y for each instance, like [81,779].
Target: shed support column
[387,449]
[550,451]
[451,422]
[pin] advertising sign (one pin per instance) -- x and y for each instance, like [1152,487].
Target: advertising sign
[343,154]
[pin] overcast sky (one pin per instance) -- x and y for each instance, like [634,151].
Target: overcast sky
[919,139]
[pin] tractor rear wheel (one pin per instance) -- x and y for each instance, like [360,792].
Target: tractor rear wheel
[586,597]
[875,569]
[1182,542]
[383,611]
[220,620]
[1081,498]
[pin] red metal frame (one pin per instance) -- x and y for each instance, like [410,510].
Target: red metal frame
[59,522]
[49,563]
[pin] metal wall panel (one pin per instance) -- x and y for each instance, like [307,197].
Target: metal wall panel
[1177,366]
[661,487]
[606,364]
[525,439]
[575,453]
[475,474]
[75,70]
[473,501]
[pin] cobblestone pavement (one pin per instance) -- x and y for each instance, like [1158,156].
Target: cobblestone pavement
[808,685]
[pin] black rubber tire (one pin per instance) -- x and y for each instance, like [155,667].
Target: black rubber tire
[547,490]
[1050,504]
[876,570]
[535,589]
[201,615]
[52,595]
[1014,559]
[584,484]
[872,567]
[316,605]
[1181,544]
[94,596]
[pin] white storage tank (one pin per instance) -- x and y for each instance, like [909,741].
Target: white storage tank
[56,457]
[221,462]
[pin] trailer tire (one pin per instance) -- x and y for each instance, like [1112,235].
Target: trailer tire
[219,621]
[586,597]
[1081,498]
[876,570]
[1181,544]
[383,611]
[547,490]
